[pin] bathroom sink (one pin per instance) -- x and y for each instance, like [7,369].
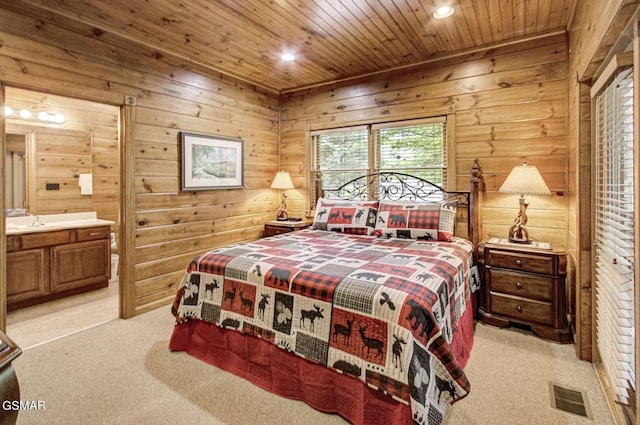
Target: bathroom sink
[14,226]
[35,225]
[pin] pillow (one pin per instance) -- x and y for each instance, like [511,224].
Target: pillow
[412,220]
[355,217]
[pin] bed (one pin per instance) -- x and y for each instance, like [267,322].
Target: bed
[368,313]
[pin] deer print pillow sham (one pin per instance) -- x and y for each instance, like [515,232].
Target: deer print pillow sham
[412,220]
[353,217]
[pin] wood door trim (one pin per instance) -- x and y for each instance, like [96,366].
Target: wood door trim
[127,264]
[3,232]
[126,236]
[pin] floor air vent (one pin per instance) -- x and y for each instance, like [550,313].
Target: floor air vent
[570,401]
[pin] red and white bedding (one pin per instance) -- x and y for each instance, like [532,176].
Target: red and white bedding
[380,310]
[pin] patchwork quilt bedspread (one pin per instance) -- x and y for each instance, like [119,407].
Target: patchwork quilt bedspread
[381,310]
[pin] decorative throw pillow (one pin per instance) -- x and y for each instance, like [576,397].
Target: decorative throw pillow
[355,217]
[411,220]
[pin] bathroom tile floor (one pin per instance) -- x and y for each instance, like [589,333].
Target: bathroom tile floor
[38,324]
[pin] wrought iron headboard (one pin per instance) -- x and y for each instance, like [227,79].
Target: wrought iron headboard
[394,186]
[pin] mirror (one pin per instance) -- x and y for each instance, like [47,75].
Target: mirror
[15,177]
[47,165]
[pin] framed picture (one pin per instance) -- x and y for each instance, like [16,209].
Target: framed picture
[211,162]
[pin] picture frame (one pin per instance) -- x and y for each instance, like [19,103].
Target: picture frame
[211,162]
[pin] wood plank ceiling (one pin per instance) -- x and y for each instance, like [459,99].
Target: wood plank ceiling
[332,39]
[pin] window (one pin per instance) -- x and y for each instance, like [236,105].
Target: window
[413,147]
[614,233]
[341,155]
[418,149]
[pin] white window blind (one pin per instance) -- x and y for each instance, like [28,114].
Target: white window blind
[614,233]
[341,155]
[416,147]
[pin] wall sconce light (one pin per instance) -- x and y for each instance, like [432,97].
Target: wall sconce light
[283,182]
[26,114]
[523,179]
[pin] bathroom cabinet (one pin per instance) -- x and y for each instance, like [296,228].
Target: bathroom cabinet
[46,265]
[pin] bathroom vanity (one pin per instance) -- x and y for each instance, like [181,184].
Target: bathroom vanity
[54,256]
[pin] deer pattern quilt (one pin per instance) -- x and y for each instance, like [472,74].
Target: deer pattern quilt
[381,310]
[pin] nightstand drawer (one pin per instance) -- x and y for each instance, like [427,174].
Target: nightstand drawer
[520,284]
[520,309]
[521,261]
[273,230]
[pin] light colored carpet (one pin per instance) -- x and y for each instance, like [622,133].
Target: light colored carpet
[121,372]
[510,371]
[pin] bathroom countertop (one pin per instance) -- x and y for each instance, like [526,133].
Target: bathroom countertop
[52,222]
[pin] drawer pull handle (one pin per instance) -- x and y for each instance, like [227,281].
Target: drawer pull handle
[519,309]
[518,285]
[94,233]
[519,262]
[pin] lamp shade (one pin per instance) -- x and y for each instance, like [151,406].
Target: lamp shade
[525,179]
[282,181]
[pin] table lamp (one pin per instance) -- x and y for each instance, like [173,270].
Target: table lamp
[523,179]
[283,182]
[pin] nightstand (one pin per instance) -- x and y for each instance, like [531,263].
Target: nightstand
[9,387]
[272,228]
[525,286]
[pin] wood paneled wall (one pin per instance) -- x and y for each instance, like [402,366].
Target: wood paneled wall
[509,105]
[69,58]
[60,157]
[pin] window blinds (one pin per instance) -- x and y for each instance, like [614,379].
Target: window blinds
[341,155]
[416,148]
[614,233]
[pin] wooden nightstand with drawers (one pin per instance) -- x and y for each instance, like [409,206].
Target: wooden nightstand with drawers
[525,286]
[272,228]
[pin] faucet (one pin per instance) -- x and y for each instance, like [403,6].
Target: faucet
[36,222]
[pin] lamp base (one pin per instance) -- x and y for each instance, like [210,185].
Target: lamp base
[282,214]
[522,241]
[519,234]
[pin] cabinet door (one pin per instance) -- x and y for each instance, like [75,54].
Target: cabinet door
[80,264]
[27,274]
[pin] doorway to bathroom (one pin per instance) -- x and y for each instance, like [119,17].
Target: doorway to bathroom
[51,141]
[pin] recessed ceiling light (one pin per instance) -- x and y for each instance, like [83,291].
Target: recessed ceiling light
[7,111]
[288,57]
[25,113]
[443,12]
